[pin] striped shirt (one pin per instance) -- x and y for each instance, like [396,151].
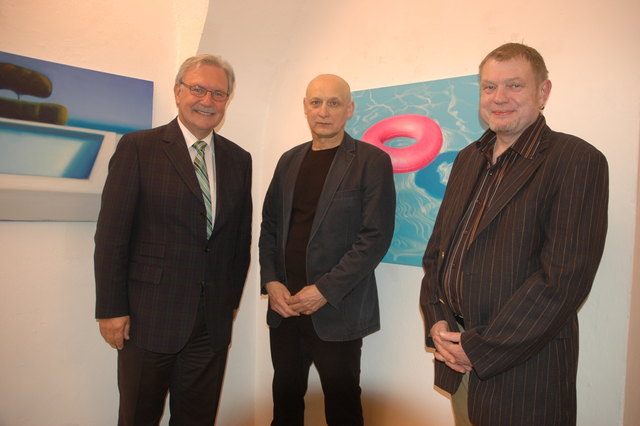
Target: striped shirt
[488,182]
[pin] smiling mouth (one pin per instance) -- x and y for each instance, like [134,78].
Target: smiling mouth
[205,112]
[502,113]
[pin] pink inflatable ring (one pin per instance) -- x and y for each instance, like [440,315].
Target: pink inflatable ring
[425,132]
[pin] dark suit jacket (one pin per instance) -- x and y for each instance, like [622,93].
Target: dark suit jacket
[351,232]
[152,257]
[526,274]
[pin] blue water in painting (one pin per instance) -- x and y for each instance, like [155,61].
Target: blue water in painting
[453,104]
[34,150]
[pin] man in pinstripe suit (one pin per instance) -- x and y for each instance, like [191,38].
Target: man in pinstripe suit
[513,255]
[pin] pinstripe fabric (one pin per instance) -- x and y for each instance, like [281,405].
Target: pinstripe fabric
[528,269]
[200,167]
[485,190]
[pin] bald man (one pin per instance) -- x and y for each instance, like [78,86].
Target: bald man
[327,222]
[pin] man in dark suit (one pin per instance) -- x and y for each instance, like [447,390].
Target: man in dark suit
[327,222]
[513,255]
[172,252]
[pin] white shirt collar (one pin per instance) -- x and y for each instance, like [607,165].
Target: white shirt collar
[190,139]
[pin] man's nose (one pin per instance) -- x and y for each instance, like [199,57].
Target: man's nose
[500,94]
[207,98]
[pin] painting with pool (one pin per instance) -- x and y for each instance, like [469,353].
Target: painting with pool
[422,126]
[59,125]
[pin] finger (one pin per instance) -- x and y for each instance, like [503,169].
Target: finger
[439,357]
[297,307]
[119,341]
[285,310]
[294,300]
[456,367]
[280,311]
[450,336]
[442,349]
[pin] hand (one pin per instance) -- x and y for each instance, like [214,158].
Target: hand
[279,295]
[115,330]
[448,348]
[308,300]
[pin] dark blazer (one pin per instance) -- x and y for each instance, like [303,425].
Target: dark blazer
[351,232]
[152,257]
[526,274]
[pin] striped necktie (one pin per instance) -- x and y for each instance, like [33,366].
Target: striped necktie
[200,166]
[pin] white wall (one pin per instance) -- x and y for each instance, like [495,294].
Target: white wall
[56,370]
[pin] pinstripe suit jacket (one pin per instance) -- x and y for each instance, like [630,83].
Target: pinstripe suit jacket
[526,273]
[152,257]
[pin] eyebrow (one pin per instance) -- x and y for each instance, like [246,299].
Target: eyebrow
[508,80]
[331,98]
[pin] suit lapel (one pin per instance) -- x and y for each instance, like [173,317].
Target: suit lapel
[521,172]
[178,153]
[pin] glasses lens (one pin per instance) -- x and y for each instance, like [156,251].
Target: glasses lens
[198,91]
[219,95]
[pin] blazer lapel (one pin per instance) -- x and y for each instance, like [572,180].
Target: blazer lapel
[523,168]
[176,149]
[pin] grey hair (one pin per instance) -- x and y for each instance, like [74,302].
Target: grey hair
[207,59]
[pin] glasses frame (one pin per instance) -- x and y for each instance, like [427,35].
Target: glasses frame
[201,92]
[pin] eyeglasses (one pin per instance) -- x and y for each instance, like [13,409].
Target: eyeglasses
[201,92]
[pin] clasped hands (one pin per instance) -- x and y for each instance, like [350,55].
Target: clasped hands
[448,348]
[306,301]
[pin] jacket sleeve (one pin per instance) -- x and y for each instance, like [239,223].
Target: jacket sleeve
[113,231]
[242,256]
[432,307]
[269,232]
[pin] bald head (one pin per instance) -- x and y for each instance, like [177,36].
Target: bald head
[328,106]
[329,83]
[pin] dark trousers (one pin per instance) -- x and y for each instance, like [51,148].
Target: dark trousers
[192,377]
[294,346]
